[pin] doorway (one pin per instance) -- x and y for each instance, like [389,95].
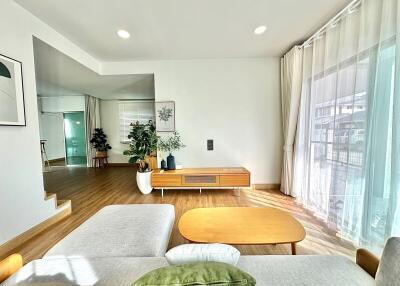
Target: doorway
[75,138]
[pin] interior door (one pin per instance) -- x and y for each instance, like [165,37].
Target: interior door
[75,138]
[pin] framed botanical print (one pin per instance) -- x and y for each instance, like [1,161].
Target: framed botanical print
[12,106]
[165,116]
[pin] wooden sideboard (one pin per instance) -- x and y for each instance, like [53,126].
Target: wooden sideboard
[200,178]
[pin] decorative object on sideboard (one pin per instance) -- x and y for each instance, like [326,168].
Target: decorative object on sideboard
[99,142]
[170,144]
[165,116]
[163,148]
[143,143]
[163,165]
[171,162]
[12,106]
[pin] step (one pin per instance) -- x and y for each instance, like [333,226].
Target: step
[49,196]
[63,204]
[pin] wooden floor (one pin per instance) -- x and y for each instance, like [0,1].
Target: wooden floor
[91,189]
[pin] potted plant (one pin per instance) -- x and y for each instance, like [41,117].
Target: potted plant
[143,143]
[99,142]
[171,144]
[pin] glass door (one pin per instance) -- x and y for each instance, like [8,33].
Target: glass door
[75,138]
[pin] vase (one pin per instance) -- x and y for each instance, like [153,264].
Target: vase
[143,180]
[163,165]
[171,162]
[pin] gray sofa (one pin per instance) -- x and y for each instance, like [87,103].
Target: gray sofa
[119,231]
[72,262]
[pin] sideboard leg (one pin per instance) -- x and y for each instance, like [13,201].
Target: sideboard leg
[162,193]
[200,191]
[236,192]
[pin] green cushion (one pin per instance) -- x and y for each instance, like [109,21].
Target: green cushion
[202,273]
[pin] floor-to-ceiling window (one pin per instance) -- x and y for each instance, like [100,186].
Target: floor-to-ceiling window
[132,111]
[347,148]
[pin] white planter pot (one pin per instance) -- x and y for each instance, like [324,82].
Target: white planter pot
[143,181]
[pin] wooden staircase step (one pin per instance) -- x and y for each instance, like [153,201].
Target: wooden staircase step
[63,203]
[58,203]
[49,196]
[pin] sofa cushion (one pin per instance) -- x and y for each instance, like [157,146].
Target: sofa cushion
[389,266]
[304,270]
[200,273]
[118,231]
[193,252]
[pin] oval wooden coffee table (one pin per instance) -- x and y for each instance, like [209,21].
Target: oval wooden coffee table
[241,225]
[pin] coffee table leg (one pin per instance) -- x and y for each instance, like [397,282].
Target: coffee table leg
[293,248]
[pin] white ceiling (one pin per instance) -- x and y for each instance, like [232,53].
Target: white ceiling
[184,29]
[59,75]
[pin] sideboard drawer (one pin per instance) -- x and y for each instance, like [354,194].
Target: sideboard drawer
[235,180]
[164,180]
[200,180]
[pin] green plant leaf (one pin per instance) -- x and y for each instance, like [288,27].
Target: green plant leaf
[133,159]
[99,140]
[143,141]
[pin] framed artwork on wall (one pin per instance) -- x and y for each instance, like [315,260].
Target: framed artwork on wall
[12,106]
[165,116]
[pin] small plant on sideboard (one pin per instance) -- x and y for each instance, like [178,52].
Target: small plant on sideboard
[170,144]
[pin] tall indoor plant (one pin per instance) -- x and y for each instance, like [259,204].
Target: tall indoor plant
[99,142]
[170,144]
[143,142]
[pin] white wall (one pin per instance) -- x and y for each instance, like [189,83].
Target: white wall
[22,203]
[62,103]
[51,121]
[52,130]
[235,102]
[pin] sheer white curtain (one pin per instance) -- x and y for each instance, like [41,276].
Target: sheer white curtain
[92,115]
[347,164]
[291,78]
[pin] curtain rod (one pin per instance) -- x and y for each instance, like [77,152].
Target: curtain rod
[353,4]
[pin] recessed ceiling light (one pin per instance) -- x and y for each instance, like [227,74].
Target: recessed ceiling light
[123,34]
[260,30]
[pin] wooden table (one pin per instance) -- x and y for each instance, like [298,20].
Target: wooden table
[200,178]
[241,225]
